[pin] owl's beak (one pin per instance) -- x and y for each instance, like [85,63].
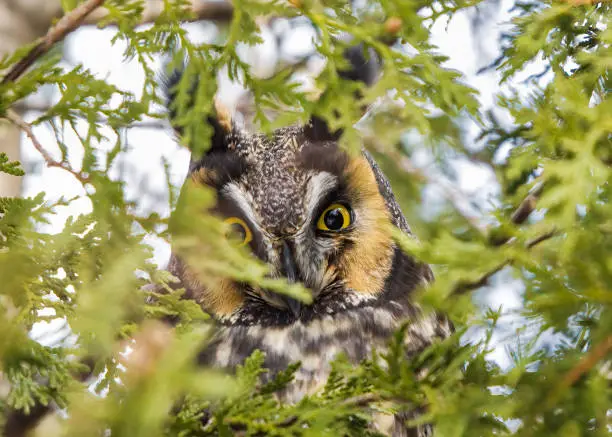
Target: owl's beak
[290,272]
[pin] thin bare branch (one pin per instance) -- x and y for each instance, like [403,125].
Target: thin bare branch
[219,11]
[463,287]
[16,119]
[452,194]
[520,214]
[541,238]
[64,26]
[527,206]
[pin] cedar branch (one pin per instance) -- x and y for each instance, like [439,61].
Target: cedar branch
[456,197]
[18,423]
[463,287]
[64,26]
[520,214]
[518,217]
[451,193]
[24,106]
[362,400]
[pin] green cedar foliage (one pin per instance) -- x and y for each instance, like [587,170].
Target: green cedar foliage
[560,152]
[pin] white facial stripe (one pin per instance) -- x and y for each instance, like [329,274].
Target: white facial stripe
[308,251]
[242,199]
[319,186]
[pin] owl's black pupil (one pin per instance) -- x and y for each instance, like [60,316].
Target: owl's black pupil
[238,232]
[334,220]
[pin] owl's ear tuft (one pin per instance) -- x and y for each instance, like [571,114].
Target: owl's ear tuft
[223,116]
[364,66]
[177,93]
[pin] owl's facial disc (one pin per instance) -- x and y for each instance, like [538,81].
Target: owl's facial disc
[310,211]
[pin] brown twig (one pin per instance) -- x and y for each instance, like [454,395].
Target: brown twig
[518,217]
[16,119]
[219,11]
[89,13]
[541,238]
[520,214]
[463,287]
[596,354]
[586,363]
[64,26]
[527,206]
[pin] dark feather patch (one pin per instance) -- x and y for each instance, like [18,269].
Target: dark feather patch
[169,85]
[328,158]
[220,122]
[364,66]
[218,168]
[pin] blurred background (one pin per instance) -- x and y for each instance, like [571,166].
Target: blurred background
[472,40]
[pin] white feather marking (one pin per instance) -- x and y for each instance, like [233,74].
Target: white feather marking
[383,317]
[243,199]
[223,354]
[276,340]
[319,185]
[355,297]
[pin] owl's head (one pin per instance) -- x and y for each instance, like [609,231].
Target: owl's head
[308,209]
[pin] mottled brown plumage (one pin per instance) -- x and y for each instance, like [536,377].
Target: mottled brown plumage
[281,189]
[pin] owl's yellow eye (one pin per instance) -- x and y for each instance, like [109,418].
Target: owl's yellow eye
[335,218]
[238,230]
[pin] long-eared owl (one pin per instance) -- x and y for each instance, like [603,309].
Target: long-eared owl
[316,215]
